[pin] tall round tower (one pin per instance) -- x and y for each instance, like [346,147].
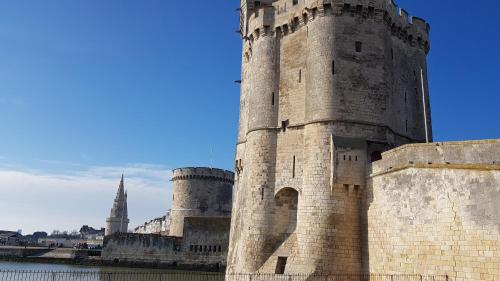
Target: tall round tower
[326,87]
[199,192]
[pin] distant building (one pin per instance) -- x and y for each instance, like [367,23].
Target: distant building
[88,232]
[32,239]
[10,238]
[118,219]
[159,225]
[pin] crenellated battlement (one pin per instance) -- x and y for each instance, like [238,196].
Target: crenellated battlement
[283,17]
[203,173]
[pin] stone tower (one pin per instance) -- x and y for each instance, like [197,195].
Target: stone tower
[199,192]
[327,85]
[118,219]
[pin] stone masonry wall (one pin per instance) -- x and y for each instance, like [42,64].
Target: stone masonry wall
[203,245]
[199,192]
[312,72]
[433,209]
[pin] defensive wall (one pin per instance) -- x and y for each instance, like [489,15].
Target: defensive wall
[202,246]
[433,209]
[21,252]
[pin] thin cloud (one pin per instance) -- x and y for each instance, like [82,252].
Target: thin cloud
[37,200]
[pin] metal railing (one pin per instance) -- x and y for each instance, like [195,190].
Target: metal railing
[141,275]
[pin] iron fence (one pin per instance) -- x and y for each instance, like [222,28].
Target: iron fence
[16,275]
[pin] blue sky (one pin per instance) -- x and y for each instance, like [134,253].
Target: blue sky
[89,89]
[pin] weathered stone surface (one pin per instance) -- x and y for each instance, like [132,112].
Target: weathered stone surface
[203,244]
[433,209]
[327,86]
[199,192]
[324,85]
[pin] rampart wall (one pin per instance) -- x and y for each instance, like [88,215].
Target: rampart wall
[203,245]
[433,209]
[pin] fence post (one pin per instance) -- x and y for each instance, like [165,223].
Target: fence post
[53,276]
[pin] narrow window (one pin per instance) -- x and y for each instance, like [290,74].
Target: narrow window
[356,158]
[333,67]
[195,248]
[407,125]
[296,22]
[347,8]
[344,157]
[191,248]
[220,248]
[346,187]
[359,9]
[293,167]
[272,99]
[281,265]
[205,248]
[350,159]
[327,7]
[300,75]
[416,91]
[392,53]
[173,197]
[359,46]
[406,97]
[371,11]
[295,2]
[262,194]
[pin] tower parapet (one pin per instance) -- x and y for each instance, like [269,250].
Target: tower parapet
[286,17]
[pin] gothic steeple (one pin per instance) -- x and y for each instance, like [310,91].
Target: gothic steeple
[118,219]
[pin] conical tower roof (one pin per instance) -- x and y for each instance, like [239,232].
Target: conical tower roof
[119,209]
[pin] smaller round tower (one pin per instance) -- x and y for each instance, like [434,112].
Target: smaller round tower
[199,192]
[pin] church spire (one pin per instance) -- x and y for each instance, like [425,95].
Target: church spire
[118,219]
